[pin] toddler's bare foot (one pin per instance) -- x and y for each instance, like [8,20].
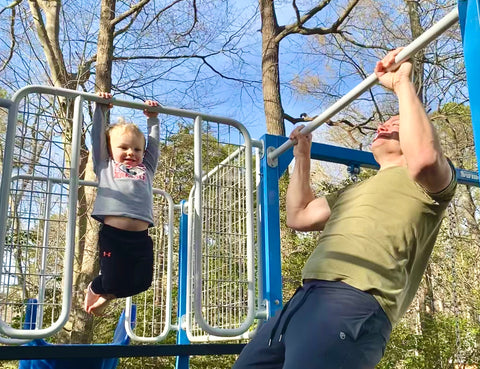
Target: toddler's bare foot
[98,308]
[90,297]
[95,303]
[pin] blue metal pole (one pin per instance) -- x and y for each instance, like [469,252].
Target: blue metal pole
[470,26]
[270,223]
[30,320]
[182,362]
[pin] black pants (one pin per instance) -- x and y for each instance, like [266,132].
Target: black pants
[326,325]
[126,262]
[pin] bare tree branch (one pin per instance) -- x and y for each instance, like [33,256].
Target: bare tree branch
[309,15]
[159,13]
[133,9]
[299,28]
[361,127]
[302,119]
[10,6]
[345,36]
[362,73]
[12,39]
[178,57]
[127,26]
[48,36]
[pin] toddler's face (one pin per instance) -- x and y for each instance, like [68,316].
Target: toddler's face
[126,147]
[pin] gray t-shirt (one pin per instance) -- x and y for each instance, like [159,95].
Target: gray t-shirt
[123,191]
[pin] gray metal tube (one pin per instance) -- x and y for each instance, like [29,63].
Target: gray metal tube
[7,172]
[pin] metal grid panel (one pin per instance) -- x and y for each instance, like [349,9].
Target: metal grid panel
[225,283]
[32,264]
[154,306]
[36,225]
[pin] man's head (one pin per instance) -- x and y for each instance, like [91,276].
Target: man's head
[126,143]
[387,140]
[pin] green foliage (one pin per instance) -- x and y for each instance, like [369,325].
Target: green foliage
[147,362]
[454,126]
[8,365]
[176,162]
[212,361]
[408,349]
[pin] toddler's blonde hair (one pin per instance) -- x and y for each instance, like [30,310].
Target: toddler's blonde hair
[126,126]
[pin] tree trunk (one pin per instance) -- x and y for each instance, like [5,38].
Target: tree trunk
[48,35]
[270,70]
[86,260]
[427,323]
[46,15]
[103,80]
[88,266]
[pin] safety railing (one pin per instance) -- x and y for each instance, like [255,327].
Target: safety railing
[221,297]
[41,274]
[42,139]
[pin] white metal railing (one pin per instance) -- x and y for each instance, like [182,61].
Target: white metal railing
[44,273]
[29,131]
[221,260]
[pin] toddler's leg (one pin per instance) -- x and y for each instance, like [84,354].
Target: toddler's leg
[126,265]
[96,303]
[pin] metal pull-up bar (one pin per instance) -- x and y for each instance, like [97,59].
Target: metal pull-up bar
[420,42]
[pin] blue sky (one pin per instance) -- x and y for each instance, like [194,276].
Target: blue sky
[209,93]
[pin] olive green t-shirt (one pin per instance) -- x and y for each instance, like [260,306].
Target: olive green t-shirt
[379,237]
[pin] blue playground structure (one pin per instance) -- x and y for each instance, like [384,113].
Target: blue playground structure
[218,251]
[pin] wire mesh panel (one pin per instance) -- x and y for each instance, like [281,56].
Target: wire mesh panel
[35,229]
[154,306]
[221,240]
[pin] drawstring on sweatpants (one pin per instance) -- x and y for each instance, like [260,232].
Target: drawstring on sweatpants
[289,316]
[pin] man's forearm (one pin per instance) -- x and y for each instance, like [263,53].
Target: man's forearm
[299,192]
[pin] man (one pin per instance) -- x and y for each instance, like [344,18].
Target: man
[377,236]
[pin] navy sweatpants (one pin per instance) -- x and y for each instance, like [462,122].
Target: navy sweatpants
[326,325]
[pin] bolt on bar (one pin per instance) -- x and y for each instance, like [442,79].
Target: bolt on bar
[420,42]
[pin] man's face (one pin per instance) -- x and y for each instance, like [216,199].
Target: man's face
[126,147]
[387,132]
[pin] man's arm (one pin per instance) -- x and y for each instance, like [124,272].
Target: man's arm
[418,139]
[304,211]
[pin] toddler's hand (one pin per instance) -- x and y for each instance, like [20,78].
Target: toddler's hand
[148,113]
[106,95]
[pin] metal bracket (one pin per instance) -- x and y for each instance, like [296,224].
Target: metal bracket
[273,163]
